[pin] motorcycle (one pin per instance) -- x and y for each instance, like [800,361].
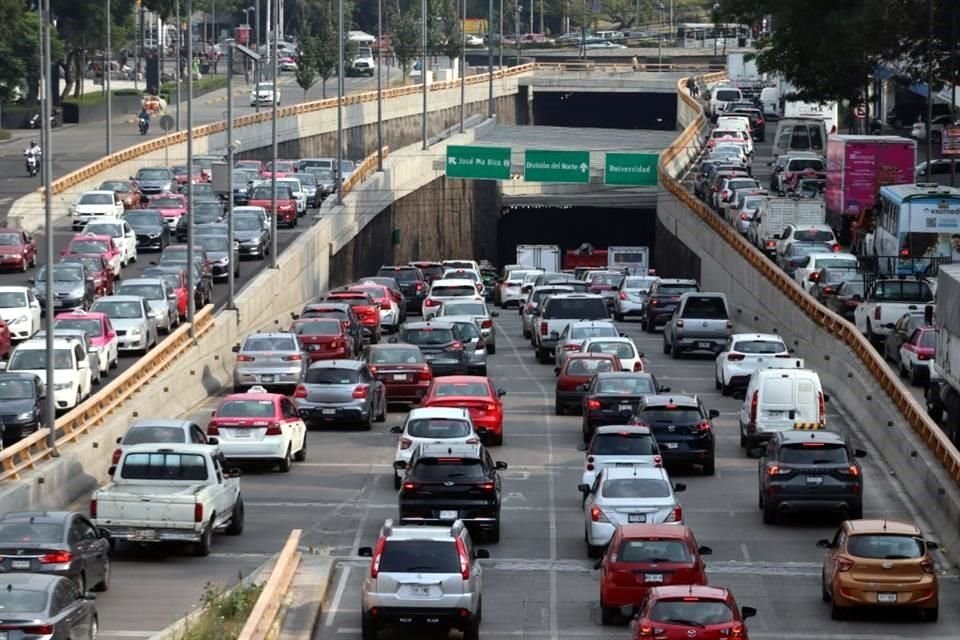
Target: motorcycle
[32,164]
[144,126]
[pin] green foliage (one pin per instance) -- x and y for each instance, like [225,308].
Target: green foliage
[406,39]
[448,21]
[224,612]
[168,90]
[307,60]
[19,53]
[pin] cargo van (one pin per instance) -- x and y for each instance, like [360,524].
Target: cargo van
[800,134]
[770,102]
[778,399]
[720,96]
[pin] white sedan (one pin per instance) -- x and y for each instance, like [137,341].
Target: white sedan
[743,354]
[123,236]
[432,425]
[808,272]
[631,359]
[20,309]
[96,204]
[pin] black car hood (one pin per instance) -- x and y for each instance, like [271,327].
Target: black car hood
[13,407]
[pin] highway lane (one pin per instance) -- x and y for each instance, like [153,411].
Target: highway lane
[539,583]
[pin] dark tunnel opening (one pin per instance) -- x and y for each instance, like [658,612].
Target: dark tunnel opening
[610,110]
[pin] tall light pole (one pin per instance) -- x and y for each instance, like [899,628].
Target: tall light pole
[517,29]
[191,277]
[379,86]
[274,150]
[231,284]
[490,58]
[463,65]
[46,60]
[179,61]
[337,171]
[500,42]
[929,88]
[423,70]
[106,83]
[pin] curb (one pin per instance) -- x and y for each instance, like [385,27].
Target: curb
[306,596]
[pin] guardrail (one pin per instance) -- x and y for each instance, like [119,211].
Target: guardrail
[911,410]
[108,162]
[265,610]
[27,453]
[623,66]
[363,170]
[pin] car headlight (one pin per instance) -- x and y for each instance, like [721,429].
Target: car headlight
[136,331]
[19,320]
[62,386]
[77,293]
[153,235]
[223,261]
[156,313]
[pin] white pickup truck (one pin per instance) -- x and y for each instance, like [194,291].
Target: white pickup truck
[163,493]
[885,301]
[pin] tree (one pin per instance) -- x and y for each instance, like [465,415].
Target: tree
[448,18]
[19,52]
[405,40]
[325,38]
[307,61]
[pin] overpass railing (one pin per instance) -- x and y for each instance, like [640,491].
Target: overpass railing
[911,410]
[623,67]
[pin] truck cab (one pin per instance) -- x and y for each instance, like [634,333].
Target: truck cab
[886,300]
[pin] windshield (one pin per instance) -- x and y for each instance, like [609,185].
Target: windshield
[12,299]
[464,309]
[593,331]
[692,612]
[33,359]
[164,466]
[469,389]
[396,355]
[331,375]
[113,230]
[903,291]
[148,291]
[928,339]
[852,288]
[246,223]
[322,175]
[635,488]
[441,469]
[317,328]
[141,435]
[138,217]
[448,291]
[680,415]
[400,275]
[214,243]
[89,246]
[96,198]
[575,309]
[153,174]
[251,408]
[758,346]
[167,203]
[606,280]
[37,532]
[91,327]
[631,385]
[589,366]
[127,310]
[13,601]
[705,308]
[675,289]
[428,336]
[438,428]
[654,551]
[10,239]
[540,294]
[885,546]
[813,235]
[61,273]
[623,444]
[468,330]
[803,250]
[419,556]
[266,193]
[637,284]
[807,163]
[16,389]
[307,179]
[813,453]
[270,343]
[460,275]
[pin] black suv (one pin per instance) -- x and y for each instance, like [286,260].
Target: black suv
[441,344]
[804,470]
[448,482]
[21,405]
[614,397]
[682,428]
[662,299]
[412,283]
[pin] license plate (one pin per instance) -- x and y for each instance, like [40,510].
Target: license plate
[705,345]
[671,445]
[144,534]
[775,413]
[420,591]
[448,515]
[653,577]
[814,480]
[623,464]
[399,377]
[20,564]
[886,597]
[266,378]
[636,517]
[626,407]
[241,433]
[329,412]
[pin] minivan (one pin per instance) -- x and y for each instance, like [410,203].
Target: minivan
[770,101]
[720,96]
[799,134]
[782,397]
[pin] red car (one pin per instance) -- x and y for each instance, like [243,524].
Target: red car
[672,613]
[577,370]
[4,340]
[643,556]
[284,168]
[103,276]
[477,395]
[324,338]
[366,309]
[402,369]
[127,189]
[170,205]
[262,196]
[18,249]
[88,243]
[180,173]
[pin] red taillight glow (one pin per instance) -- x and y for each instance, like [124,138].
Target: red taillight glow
[488,486]
[486,324]
[198,512]
[93,509]
[622,295]
[743,216]
[429,302]
[274,430]
[593,404]
[425,373]
[405,443]
[377,554]
[57,557]
[360,391]
[904,253]
[543,328]
[300,391]
[35,630]
[638,365]
[456,346]
[735,357]
[821,407]
[754,401]
[116,456]
[814,277]
[597,514]
[243,358]
[676,515]
[384,304]
[464,559]
[704,425]
[292,358]
[572,347]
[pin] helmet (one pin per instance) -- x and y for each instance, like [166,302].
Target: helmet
[33,143]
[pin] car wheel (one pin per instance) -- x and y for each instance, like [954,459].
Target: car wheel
[726,389]
[235,527]
[558,408]
[492,348]
[710,466]
[472,630]
[608,615]
[104,584]
[382,416]
[930,615]
[824,594]
[285,463]
[716,383]
[397,481]
[769,514]
[368,629]
[594,551]
[618,316]
[586,432]
[649,326]
[493,535]
[837,613]
[856,513]
[666,347]
[202,548]
[301,455]
[914,376]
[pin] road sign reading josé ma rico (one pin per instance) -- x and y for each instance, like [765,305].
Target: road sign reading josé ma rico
[481,163]
[631,169]
[556,166]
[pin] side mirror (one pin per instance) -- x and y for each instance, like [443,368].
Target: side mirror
[501,393]
[213,441]
[32,280]
[399,465]
[932,546]
[582,447]
[747,612]
[112,470]
[365,552]
[103,533]
[500,466]
[641,355]
[483,554]
[582,387]
[494,314]
[623,335]
[824,544]
[856,298]
[826,397]
[890,325]
[235,348]
[776,236]
[859,453]
[233,473]
[396,429]
[679,487]
[598,563]
[713,413]
[705,551]
[663,389]
[554,335]
[583,488]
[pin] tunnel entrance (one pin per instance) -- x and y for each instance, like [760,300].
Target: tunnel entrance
[569,227]
[608,110]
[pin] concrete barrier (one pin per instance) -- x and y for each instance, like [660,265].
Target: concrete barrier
[880,407]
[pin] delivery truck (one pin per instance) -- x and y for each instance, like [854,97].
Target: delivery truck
[539,256]
[827,111]
[777,213]
[943,386]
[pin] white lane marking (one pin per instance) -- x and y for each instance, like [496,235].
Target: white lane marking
[745,551]
[353,465]
[600,633]
[104,633]
[338,595]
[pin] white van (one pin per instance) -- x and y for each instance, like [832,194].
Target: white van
[780,398]
[720,96]
[734,122]
[770,102]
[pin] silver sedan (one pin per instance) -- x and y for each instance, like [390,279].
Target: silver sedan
[274,360]
[632,296]
[476,309]
[130,315]
[161,299]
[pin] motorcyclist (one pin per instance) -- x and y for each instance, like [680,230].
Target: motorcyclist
[144,118]
[32,154]
[33,149]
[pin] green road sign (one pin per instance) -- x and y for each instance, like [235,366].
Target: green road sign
[631,169]
[481,163]
[556,166]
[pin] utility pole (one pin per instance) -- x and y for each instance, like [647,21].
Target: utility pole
[517,29]
[490,58]
[337,171]
[463,65]
[379,86]
[929,89]
[274,149]
[500,42]
[179,53]
[191,276]
[46,64]
[106,83]
[423,70]
[231,283]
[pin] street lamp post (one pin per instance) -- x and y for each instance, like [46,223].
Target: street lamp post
[463,65]
[379,85]
[338,170]
[231,284]
[50,415]
[274,149]
[423,70]
[191,277]
[517,29]
[490,58]
[179,61]
[106,84]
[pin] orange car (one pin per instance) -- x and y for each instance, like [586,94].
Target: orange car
[879,563]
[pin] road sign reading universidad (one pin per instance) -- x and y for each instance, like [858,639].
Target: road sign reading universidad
[556,166]
[480,163]
[631,169]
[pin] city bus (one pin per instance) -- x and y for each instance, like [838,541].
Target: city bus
[702,35]
[917,227]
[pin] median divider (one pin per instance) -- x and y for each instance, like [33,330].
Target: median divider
[879,403]
[274,592]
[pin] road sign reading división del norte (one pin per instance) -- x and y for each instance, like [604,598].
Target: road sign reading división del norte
[632,169]
[478,163]
[556,166]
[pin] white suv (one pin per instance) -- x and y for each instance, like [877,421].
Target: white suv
[432,425]
[72,377]
[448,289]
[423,575]
[121,232]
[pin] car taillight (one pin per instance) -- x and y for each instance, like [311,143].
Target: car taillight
[743,216]
[213,429]
[658,461]
[57,557]
[676,515]
[360,391]
[116,456]
[644,631]
[704,425]
[876,312]
[425,373]
[464,559]
[430,302]
[243,358]
[572,347]
[774,470]
[274,430]
[384,304]
[198,512]
[771,244]
[836,247]
[456,346]
[622,295]
[543,328]
[593,404]
[597,514]
[345,324]
[93,508]
[638,365]
[753,406]
[844,565]
[292,358]
[821,407]
[735,357]
[679,323]
[419,286]
[827,291]
[488,486]
[923,356]
[373,369]
[486,324]
[814,277]
[654,302]
[300,391]
[737,631]
[338,344]
[36,630]
[377,554]
[927,566]
[852,470]
[405,443]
